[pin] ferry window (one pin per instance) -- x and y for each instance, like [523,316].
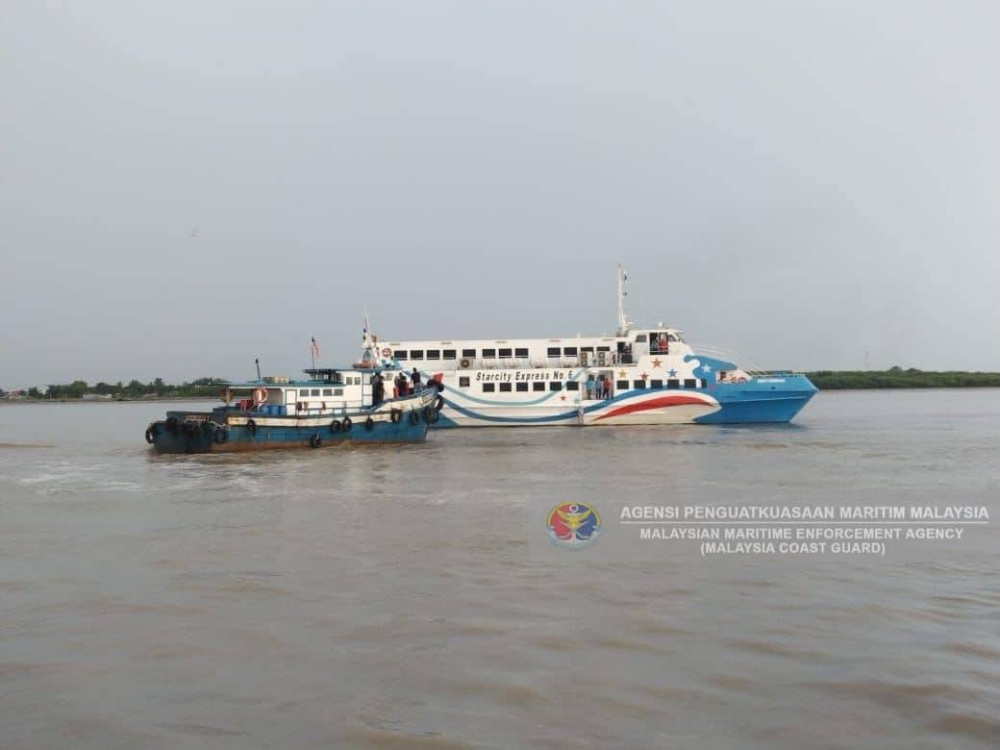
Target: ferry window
[569,351]
[416,354]
[400,354]
[622,385]
[448,354]
[538,385]
[488,353]
[555,385]
[587,349]
[304,392]
[506,353]
[505,387]
[328,391]
[553,351]
[488,387]
[463,382]
[521,352]
[338,391]
[690,383]
[673,383]
[671,337]
[470,353]
[521,387]
[655,383]
[639,383]
[604,348]
[572,386]
[640,339]
[433,354]
[315,392]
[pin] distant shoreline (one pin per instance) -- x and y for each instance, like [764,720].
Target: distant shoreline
[153,399]
[894,378]
[898,378]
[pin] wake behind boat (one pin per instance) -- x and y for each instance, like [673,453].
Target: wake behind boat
[644,375]
[332,407]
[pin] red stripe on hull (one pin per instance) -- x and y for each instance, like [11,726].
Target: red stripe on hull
[655,403]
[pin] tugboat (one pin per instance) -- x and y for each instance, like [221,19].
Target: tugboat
[331,407]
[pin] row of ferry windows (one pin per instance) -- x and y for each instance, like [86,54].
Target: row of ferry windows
[574,385]
[499,353]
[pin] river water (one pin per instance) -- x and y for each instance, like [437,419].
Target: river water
[410,597]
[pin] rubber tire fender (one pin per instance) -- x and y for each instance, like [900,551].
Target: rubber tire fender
[335,427]
[315,441]
[347,424]
[150,434]
[369,424]
[414,417]
[251,427]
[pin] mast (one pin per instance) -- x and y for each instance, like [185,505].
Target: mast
[623,319]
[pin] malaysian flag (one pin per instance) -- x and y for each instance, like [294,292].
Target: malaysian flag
[315,348]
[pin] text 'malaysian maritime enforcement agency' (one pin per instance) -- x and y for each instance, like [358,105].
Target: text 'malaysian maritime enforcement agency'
[801,529]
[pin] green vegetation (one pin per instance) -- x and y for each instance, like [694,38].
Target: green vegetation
[897,377]
[200,388]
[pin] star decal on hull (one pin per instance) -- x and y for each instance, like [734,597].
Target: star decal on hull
[672,373]
[657,363]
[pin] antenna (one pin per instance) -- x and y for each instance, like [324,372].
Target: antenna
[257,362]
[623,319]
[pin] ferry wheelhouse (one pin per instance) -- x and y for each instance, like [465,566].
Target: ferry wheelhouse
[331,407]
[643,375]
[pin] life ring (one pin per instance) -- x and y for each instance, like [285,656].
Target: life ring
[430,414]
[334,426]
[465,364]
[251,427]
[369,424]
[315,441]
[387,352]
[395,415]
[150,434]
[220,435]
[227,395]
[414,417]
[260,396]
[346,424]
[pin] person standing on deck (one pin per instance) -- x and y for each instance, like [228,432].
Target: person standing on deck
[415,377]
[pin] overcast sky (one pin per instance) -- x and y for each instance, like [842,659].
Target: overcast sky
[799,182]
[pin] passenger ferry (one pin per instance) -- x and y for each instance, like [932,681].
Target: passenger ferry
[332,407]
[643,375]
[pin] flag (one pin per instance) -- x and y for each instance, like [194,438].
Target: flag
[315,348]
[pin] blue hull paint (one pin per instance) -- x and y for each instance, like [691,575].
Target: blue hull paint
[194,437]
[757,411]
[761,401]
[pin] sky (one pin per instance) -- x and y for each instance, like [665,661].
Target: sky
[185,187]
